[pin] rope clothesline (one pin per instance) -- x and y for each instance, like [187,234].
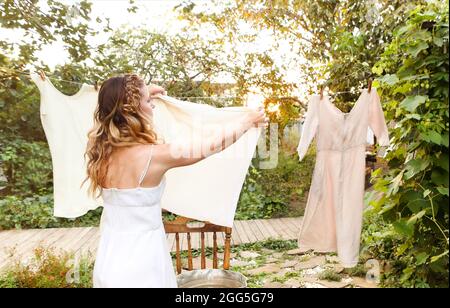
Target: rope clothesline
[177,97]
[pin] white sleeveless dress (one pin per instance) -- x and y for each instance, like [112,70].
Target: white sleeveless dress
[133,252]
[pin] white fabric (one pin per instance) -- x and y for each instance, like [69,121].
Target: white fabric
[208,190]
[133,251]
[66,121]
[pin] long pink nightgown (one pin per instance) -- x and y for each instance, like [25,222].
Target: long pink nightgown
[333,215]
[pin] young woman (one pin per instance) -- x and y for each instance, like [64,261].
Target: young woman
[126,166]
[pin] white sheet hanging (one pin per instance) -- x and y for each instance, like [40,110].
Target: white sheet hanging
[208,190]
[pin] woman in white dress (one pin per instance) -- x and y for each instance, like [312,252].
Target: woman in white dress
[126,166]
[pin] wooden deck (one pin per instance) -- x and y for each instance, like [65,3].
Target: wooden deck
[84,240]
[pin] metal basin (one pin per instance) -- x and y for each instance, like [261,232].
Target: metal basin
[211,278]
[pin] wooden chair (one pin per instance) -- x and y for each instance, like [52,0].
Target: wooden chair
[188,226]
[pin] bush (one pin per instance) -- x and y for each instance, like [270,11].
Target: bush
[27,166]
[412,235]
[49,270]
[330,275]
[37,212]
[281,191]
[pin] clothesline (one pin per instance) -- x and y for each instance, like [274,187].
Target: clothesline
[177,97]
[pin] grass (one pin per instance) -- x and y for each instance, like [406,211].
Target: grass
[357,271]
[330,275]
[256,281]
[271,243]
[286,277]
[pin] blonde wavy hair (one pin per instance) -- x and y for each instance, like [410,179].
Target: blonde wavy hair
[118,122]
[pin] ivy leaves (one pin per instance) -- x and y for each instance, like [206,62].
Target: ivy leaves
[410,103]
[414,83]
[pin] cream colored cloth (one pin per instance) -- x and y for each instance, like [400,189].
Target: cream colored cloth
[66,121]
[208,190]
[333,215]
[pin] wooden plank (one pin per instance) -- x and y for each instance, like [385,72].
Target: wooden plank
[5,235]
[281,229]
[297,223]
[69,237]
[291,223]
[18,238]
[38,235]
[274,226]
[244,233]
[233,238]
[77,241]
[240,230]
[254,227]
[207,240]
[9,245]
[54,237]
[93,244]
[278,229]
[291,234]
[90,245]
[269,232]
[25,250]
[289,227]
[249,232]
[84,246]
[236,239]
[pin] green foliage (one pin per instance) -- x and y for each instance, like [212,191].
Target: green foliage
[277,192]
[270,243]
[43,28]
[406,226]
[412,234]
[356,271]
[184,66]
[340,40]
[37,212]
[48,269]
[278,245]
[27,166]
[330,275]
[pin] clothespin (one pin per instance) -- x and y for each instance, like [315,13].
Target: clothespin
[42,75]
[369,87]
[321,92]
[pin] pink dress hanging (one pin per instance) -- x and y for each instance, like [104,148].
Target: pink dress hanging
[333,215]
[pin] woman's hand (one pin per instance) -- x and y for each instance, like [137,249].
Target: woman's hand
[258,118]
[154,90]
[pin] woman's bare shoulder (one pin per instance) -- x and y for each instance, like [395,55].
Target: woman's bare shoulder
[130,155]
[161,152]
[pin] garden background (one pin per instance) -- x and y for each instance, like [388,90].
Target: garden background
[251,45]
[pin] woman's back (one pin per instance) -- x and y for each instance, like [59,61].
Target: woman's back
[132,228]
[128,164]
